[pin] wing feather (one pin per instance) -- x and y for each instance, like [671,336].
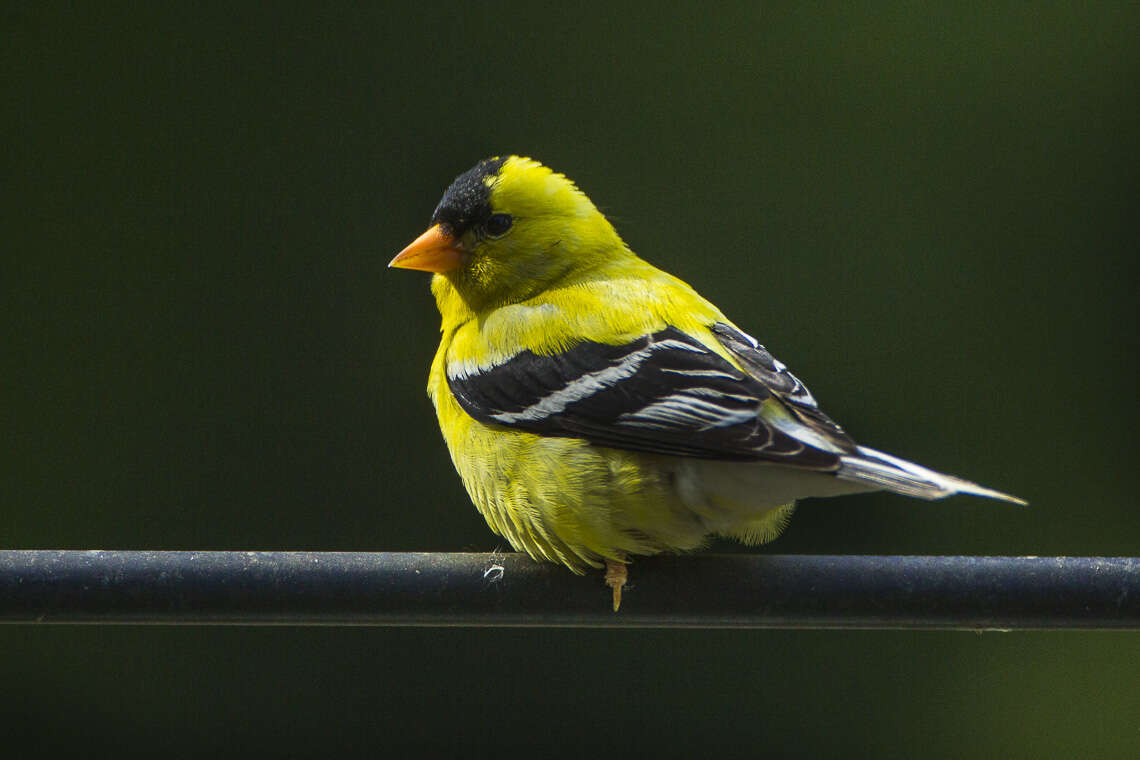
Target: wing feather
[665,393]
[775,376]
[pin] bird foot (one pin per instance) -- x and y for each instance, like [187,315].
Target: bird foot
[616,576]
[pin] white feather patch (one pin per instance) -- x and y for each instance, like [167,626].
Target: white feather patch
[588,384]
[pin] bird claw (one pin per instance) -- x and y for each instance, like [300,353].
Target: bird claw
[616,576]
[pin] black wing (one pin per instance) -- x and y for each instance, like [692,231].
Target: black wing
[665,393]
[776,377]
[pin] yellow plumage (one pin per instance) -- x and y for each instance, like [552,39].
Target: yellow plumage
[553,384]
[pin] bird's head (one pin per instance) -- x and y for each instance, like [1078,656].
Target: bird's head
[509,228]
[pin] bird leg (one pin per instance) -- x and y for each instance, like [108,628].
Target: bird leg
[616,576]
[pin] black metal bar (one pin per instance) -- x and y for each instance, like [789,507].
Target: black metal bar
[699,591]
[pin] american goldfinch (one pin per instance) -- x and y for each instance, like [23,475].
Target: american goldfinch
[597,407]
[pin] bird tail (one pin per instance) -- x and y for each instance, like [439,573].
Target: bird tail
[893,474]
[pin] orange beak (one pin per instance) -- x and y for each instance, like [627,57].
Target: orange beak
[433,251]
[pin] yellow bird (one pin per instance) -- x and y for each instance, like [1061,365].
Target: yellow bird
[597,407]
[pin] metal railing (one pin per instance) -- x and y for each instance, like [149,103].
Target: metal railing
[697,591]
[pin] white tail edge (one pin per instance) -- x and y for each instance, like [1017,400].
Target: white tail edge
[893,474]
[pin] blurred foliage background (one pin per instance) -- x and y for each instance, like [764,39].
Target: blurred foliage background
[925,209]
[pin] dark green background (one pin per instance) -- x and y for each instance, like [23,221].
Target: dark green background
[925,210]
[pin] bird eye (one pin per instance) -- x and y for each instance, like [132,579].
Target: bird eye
[498,224]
